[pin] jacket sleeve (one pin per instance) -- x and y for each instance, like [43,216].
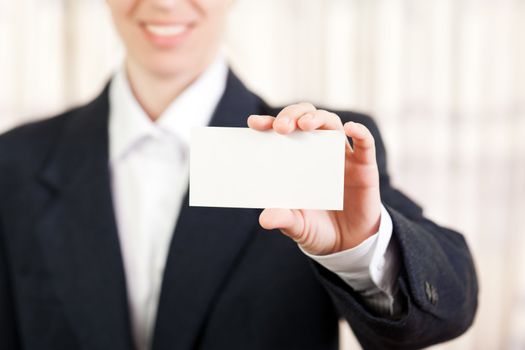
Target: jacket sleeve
[437,283]
[8,333]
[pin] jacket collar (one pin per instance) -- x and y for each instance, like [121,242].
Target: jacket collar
[80,242]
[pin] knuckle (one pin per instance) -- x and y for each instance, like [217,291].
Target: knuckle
[335,117]
[288,110]
[330,116]
[364,130]
[294,109]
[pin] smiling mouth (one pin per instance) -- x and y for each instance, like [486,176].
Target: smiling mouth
[167,31]
[167,35]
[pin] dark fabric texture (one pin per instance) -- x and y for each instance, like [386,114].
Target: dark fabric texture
[228,284]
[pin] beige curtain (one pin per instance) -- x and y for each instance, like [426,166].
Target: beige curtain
[445,80]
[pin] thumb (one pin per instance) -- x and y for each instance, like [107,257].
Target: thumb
[289,221]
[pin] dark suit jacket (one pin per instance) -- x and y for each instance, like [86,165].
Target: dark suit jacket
[228,284]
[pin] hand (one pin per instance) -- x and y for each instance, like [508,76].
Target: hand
[322,232]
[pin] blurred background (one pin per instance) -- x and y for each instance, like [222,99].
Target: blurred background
[445,80]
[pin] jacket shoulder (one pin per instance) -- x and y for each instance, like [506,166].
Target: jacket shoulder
[27,141]
[25,149]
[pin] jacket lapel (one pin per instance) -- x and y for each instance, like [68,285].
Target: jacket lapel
[205,245]
[79,239]
[78,232]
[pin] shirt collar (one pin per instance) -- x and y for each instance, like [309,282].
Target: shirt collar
[129,123]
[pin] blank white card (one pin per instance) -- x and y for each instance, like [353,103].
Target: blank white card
[244,168]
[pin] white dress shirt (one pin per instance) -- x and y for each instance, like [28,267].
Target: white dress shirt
[149,167]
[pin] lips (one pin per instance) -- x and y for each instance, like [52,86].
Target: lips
[166,35]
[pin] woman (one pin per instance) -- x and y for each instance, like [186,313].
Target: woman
[90,256]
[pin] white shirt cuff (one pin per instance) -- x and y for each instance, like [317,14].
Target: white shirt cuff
[372,267]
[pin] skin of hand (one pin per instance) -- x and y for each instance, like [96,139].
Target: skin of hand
[322,232]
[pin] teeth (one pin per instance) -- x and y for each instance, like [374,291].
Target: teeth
[166,30]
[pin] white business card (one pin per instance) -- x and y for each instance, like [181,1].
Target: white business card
[244,168]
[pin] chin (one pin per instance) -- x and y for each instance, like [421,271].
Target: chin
[170,66]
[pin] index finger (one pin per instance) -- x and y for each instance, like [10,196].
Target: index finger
[260,122]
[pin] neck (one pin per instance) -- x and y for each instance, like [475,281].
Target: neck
[156,92]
